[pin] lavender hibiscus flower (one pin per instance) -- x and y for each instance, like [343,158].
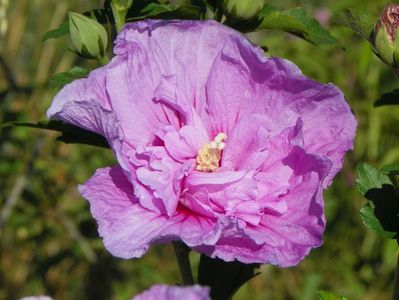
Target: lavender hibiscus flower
[218,146]
[165,292]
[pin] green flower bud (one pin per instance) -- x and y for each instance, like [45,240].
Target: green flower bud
[384,36]
[242,9]
[89,38]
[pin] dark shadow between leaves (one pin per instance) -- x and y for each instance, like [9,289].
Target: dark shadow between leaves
[391,98]
[386,206]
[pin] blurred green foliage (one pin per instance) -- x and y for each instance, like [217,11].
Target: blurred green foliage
[48,240]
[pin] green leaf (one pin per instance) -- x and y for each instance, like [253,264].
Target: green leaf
[295,21]
[224,278]
[61,30]
[61,79]
[323,295]
[167,11]
[371,221]
[154,9]
[381,213]
[70,134]
[355,20]
[370,178]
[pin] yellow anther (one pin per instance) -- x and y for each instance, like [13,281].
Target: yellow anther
[209,155]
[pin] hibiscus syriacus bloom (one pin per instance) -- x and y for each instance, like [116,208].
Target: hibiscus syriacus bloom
[217,145]
[165,292]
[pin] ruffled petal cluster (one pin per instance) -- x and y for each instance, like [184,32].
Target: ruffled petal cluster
[217,145]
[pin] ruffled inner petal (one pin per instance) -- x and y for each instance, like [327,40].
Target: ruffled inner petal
[185,143]
[127,228]
[163,176]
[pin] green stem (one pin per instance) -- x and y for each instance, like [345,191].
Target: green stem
[183,261]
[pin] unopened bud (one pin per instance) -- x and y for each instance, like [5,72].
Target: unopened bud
[88,36]
[384,36]
[243,9]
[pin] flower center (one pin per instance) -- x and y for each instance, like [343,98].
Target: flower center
[209,155]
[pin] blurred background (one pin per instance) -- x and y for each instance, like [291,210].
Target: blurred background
[48,239]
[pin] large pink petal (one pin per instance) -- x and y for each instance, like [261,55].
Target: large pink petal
[84,103]
[169,46]
[231,93]
[130,84]
[328,123]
